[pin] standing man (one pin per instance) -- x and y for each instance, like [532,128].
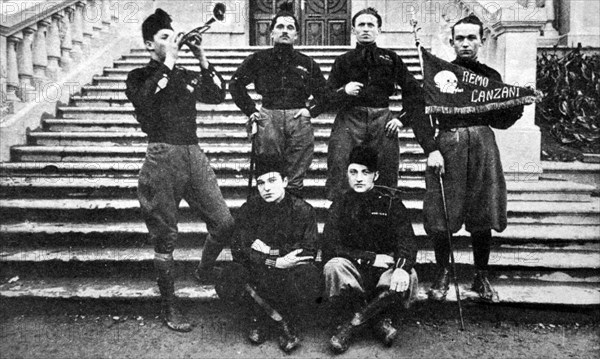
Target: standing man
[371,247]
[285,78]
[361,82]
[164,96]
[466,155]
[273,249]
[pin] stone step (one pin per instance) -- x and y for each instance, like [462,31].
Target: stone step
[525,215]
[137,152]
[210,138]
[578,172]
[511,291]
[504,256]
[206,111]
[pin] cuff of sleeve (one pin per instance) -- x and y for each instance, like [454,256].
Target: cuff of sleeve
[207,72]
[429,146]
[270,262]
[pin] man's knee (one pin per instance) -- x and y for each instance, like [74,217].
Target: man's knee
[232,281]
[335,266]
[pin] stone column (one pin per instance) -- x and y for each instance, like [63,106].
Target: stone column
[3,69]
[87,29]
[106,17]
[579,23]
[25,64]
[40,52]
[66,43]
[12,67]
[520,145]
[549,34]
[53,46]
[77,33]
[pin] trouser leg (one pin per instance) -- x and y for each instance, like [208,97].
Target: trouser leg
[205,198]
[299,148]
[388,148]
[348,132]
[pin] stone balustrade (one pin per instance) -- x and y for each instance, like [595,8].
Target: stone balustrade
[43,44]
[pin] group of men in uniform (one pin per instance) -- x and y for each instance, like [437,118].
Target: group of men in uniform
[368,252]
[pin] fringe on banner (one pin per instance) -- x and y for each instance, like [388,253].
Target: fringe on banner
[479,109]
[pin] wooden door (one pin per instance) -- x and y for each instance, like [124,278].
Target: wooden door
[322,22]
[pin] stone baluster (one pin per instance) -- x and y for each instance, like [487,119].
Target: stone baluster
[548,29]
[25,64]
[66,43]
[40,51]
[12,67]
[53,46]
[106,17]
[76,33]
[87,29]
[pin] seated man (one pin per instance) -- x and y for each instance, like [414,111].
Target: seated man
[371,248]
[274,247]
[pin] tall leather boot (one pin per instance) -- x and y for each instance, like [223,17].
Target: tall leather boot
[339,343]
[482,286]
[481,241]
[171,315]
[441,284]
[205,271]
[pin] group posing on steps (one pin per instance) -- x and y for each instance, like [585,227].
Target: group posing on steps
[364,266]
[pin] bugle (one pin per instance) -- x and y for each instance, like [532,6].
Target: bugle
[218,15]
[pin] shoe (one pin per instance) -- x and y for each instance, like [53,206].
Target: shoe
[482,286]
[174,320]
[257,333]
[439,288]
[386,332]
[288,341]
[340,341]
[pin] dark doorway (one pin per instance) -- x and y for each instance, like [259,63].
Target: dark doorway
[323,22]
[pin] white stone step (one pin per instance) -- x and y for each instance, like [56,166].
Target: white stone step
[511,291]
[528,256]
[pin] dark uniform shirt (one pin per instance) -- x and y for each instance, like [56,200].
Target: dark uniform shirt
[165,100]
[285,226]
[283,76]
[362,225]
[425,131]
[379,70]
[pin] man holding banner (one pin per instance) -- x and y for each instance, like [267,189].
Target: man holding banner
[467,97]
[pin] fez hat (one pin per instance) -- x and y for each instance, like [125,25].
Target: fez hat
[365,156]
[266,164]
[154,23]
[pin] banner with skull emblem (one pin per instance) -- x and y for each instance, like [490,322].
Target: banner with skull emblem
[452,89]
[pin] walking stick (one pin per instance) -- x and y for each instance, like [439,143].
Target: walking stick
[452,262]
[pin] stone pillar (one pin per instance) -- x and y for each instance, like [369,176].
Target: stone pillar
[12,67]
[520,145]
[579,23]
[25,64]
[66,43]
[3,68]
[53,46]
[40,52]
[106,17]
[94,15]
[549,34]
[87,29]
[77,33]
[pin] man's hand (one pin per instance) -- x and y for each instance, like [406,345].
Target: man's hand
[251,126]
[291,260]
[436,161]
[353,88]
[172,49]
[383,261]
[195,44]
[302,113]
[400,280]
[392,127]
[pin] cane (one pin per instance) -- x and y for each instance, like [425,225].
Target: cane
[452,262]
[252,162]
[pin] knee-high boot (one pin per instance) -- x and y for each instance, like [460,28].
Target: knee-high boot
[171,315]
[210,253]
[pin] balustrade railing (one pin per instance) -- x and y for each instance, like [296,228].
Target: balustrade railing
[41,43]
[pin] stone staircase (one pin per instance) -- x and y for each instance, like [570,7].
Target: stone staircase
[71,225]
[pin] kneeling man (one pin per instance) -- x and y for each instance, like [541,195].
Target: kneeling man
[273,273]
[372,249]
